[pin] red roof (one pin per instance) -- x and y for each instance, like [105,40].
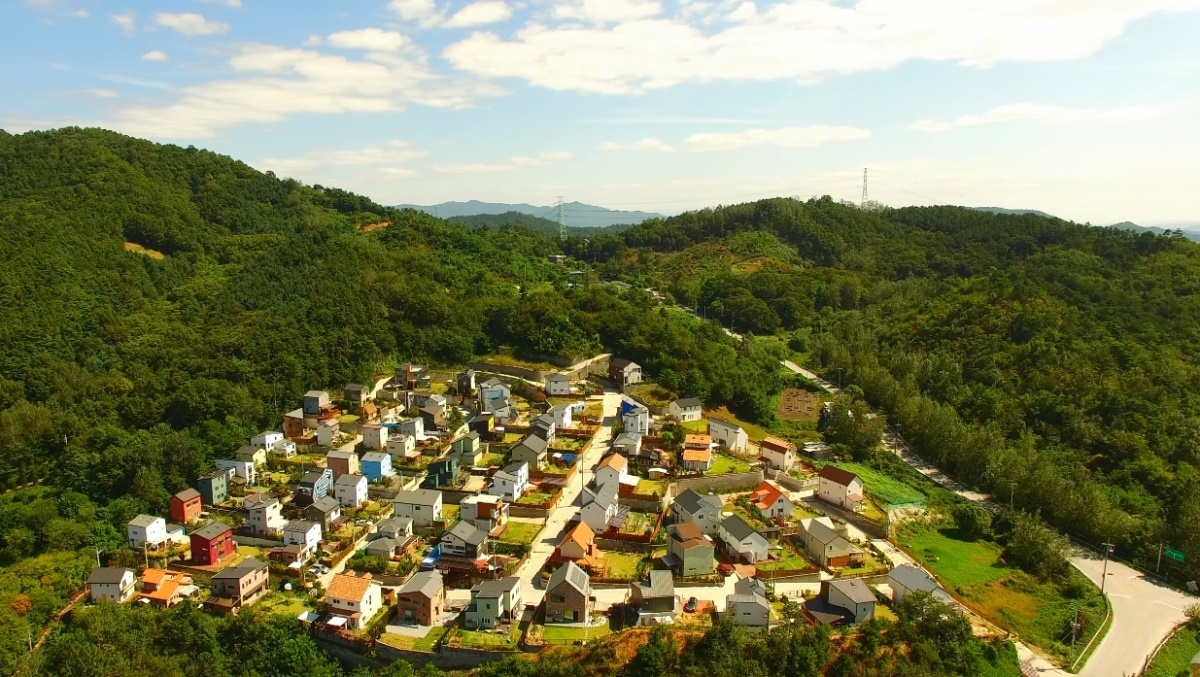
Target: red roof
[777,445]
[836,474]
[765,495]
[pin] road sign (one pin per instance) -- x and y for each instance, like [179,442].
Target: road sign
[1174,554]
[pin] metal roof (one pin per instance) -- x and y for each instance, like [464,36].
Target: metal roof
[428,583]
[572,575]
[143,520]
[854,590]
[212,530]
[737,527]
[466,532]
[836,474]
[107,575]
[418,497]
[661,585]
[693,502]
[689,402]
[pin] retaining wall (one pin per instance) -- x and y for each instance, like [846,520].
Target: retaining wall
[721,484]
[518,372]
[260,542]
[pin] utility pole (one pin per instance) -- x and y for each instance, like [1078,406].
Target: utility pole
[97,556]
[1161,547]
[1012,494]
[1075,628]
[1108,548]
[562,224]
[840,378]
[864,195]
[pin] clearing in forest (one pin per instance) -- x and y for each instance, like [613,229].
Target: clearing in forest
[798,405]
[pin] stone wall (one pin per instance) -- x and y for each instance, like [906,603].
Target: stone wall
[644,505]
[258,542]
[721,484]
[791,483]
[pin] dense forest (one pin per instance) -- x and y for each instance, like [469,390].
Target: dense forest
[1023,354]
[531,222]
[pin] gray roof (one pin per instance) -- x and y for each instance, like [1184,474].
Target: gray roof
[394,524]
[187,494]
[688,402]
[621,363]
[750,586]
[495,382]
[387,545]
[854,590]
[212,530]
[143,520]
[300,525]
[354,386]
[428,583]
[247,450]
[740,598]
[326,505]
[557,377]
[494,589]
[418,497]
[721,421]
[660,585]
[316,393]
[260,503]
[829,537]
[466,532]
[607,493]
[375,456]
[514,468]
[247,566]
[349,480]
[544,421]
[531,441]
[628,438]
[572,575]
[693,502]
[913,578]
[737,527]
[107,575]
[312,476]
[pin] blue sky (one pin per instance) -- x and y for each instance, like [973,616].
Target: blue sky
[1083,108]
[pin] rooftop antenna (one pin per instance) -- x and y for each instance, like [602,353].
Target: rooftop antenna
[864,197]
[562,224]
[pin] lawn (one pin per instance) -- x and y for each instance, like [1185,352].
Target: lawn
[623,565]
[1037,612]
[885,488]
[279,604]
[568,444]
[484,640]
[425,643]
[1176,654]
[535,498]
[791,562]
[869,565]
[653,487]
[755,432]
[521,532]
[637,523]
[700,426]
[557,634]
[490,459]
[726,465]
[654,394]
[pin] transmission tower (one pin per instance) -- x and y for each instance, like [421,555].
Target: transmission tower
[562,223]
[864,197]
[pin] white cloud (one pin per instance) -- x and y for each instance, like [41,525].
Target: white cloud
[233,4]
[786,137]
[480,13]
[648,144]
[94,93]
[424,12]
[1046,114]
[369,39]
[515,163]
[155,55]
[190,23]
[798,40]
[127,21]
[395,152]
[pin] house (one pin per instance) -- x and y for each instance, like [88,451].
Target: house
[213,487]
[212,543]
[624,372]
[569,596]
[544,427]
[356,393]
[293,424]
[413,427]
[342,463]
[284,448]
[771,501]
[324,512]
[748,604]
[563,415]
[267,439]
[145,531]
[482,423]
[689,551]
[351,490]
[697,453]
[613,468]
[356,599]
[840,487]
[164,588]
[329,430]
[264,515]
[600,506]
[412,377]
[531,449]
[291,556]
[434,417]
[302,533]
[579,546]
[375,436]
[430,400]
[398,528]
[377,466]
[402,448]
[655,601]
[465,382]
[185,506]
[825,545]
[907,579]
[742,542]
[503,411]
[731,436]
[484,511]
[628,445]
[511,482]
[779,454]
[235,587]
[422,599]
[422,506]
[441,473]
[314,401]
[686,410]
[843,601]
[635,418]
[464,540]
[386,548]
[703,510]
[243,469]
[493,602]
[110,584]
[494,389]
[314,485]
[467,446]
[557,384]
[252,454]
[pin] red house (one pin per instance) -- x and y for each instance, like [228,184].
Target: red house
[185,506]
[212,544]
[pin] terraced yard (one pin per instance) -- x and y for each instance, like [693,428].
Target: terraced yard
[727,465]
[425,643]
[521,532]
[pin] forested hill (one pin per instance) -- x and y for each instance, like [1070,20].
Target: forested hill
[1012,348]
[535,223]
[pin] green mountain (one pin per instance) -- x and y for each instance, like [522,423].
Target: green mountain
[535,223]
[575,214]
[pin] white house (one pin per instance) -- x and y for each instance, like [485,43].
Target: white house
[731,436]
[840,487]
[401,447]
[511,482]
[328,431]
[564,416]
[741,540]
[492,601]
[686,409]
[375,436]
[558,384]
[599,506]
[703,510]
[635,418]
[146,530]
[111,584]
[266,439]
[264,515]
[413,427]
[242,469]
[748,604]
[285,448]
[779,454]
[422,506]
[350,490]
[494,389]
[354,598]
[302,533]
[771,501]
[613,468]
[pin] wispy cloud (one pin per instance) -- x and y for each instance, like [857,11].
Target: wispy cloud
[190,23]
[785,137]
[394,152]
[127,21]
[648,144]
[515,163]
[232,4]
[480,13]
[156,55]
[1047,114]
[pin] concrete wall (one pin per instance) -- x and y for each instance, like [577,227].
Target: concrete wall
[518,372]
[611,544]
[721,484]
[258,542]
[791,483]
[654,410]
[643,505]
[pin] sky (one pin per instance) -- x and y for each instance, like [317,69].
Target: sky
[1086,109]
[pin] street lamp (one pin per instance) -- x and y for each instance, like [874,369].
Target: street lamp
[1108,548]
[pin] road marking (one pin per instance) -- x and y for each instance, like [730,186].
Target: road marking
[1116,594]
[1168,605]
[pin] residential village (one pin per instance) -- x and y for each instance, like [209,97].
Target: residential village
[500,507]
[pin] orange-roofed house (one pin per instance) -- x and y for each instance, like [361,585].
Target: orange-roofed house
[613,468]
[771,501]
[579,546]
[164,587]
[353,600]
[697,453]
[779,454]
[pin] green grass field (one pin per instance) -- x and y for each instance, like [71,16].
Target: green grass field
[425,643]
[790,562]
[535,498]
[623,565]
[755,432]
[885,488]
[553,633]
[484,640]
[1176,654]
[726,465]
[521,532]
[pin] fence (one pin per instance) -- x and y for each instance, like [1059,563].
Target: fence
[718,484]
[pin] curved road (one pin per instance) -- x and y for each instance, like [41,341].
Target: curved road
[1144,611]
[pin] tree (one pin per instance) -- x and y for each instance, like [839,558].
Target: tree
[973,521]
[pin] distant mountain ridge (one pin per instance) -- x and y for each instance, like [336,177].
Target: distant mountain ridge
[1015,212]
[575,214]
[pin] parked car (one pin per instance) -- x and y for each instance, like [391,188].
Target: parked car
[690,607]
[724,569]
